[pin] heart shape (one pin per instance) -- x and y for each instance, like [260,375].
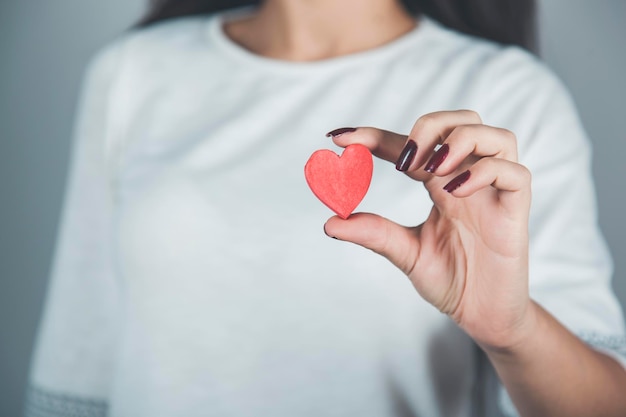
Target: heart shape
[340,182]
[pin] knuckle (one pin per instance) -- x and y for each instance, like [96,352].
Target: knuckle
[510,145]
[459,134]
[381,242]
[472,115]
[508,135]
[488,164]
[525,172]
[459,131]
[426,120]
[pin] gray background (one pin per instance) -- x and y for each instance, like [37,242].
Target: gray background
[44,47]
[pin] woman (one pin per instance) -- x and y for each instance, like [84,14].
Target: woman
[191,277]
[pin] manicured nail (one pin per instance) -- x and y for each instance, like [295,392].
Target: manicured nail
[407,155]
[326,233]
[340,131]
[457,181]
[437,158]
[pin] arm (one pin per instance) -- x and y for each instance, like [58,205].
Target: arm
[576,310]
[551,372]
[72,366]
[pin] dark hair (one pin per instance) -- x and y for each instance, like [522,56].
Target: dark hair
[510,22]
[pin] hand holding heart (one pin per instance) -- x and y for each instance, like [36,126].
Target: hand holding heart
[470,257]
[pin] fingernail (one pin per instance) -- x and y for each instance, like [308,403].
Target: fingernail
[437,158]
[340,131]
[457,181]
[406,156]
[326,233]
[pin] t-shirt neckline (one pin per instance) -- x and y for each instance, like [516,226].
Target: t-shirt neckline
[218,38]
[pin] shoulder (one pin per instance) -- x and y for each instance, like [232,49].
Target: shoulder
[145,47]
[507,85]
[478,73]
[495,64]
[501,73]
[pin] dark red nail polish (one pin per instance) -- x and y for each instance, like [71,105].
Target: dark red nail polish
[457,181]
[340,131]
[437,158]
[326,233]
[406,156]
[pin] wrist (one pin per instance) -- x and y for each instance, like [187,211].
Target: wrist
[517,337]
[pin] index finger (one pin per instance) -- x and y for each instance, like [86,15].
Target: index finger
[383,144]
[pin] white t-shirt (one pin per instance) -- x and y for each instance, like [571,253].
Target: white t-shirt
[192,276]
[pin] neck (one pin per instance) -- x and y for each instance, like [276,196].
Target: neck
[310,30]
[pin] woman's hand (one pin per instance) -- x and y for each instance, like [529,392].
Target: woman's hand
[470,257]
[470,260]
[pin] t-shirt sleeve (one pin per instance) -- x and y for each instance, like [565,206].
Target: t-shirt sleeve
[570,265]
[73,360]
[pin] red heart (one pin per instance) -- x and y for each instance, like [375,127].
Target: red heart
[340,182]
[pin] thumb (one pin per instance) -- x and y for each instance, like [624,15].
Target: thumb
[397,243]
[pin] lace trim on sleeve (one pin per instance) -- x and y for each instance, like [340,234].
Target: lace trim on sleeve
[44,403]
[615,343]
